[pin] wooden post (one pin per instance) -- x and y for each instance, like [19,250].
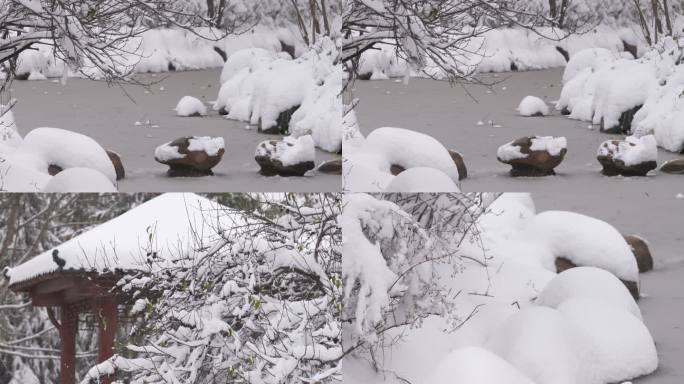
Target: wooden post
[107,323]
[67,336]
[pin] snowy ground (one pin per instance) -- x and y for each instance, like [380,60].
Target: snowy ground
[659,221]
[108,115]
[452,117]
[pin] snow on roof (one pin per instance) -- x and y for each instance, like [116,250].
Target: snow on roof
[170,225]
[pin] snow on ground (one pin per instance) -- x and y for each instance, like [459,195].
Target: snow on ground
[368,161]
[78,107]
[475,365]
[9,134]
[533,106]
[451,116]
[190,106]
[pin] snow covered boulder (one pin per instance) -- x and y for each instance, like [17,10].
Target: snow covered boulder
[191,156]
[533,106]
[624,347]
[673,166]
[579,240]
[8,128]
[592,58]
[190,106]
[546,346]
[641,252]
[475,365]
[588,283]
[631,157]
[533,156]
[422,179]
[118,165]
[404,149]
[288,157]
[79,180]
[332,167]
[51,150]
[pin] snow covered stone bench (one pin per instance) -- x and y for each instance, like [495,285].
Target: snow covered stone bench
[630,157]
[533,156]
[191,156]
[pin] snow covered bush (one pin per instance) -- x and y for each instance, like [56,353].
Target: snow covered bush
[300,96]
[258,302]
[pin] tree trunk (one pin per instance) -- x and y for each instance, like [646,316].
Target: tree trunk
[67,340]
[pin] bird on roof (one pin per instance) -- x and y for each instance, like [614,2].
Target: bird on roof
[58,260]
[6,272]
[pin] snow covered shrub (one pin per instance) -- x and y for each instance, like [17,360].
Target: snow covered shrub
[299,96]
[256,301]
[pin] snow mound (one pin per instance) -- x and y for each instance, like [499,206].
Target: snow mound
[624,346]
[79,180]
[588,283]
[474,365]
[381,64]
[43,147]
[9,135]
[632,151]
[585,241]
[533,106]
[422,179]
[190,106]
[547,347]
[252,58]
[410,149]
[289,151]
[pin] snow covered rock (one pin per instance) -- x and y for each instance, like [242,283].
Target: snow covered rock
[9,135]
[422,179]
[588,283]
[408,149]
[117,163]
[332,167]
[288,157]
[457,157]
[190,106]
[533,106]
[546,346]
[579,240]
[191,156]
[51,150]
[631,157]
[673,166]
[624,347]
[79,180]
[533,156]
[475,365]
[641,252]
